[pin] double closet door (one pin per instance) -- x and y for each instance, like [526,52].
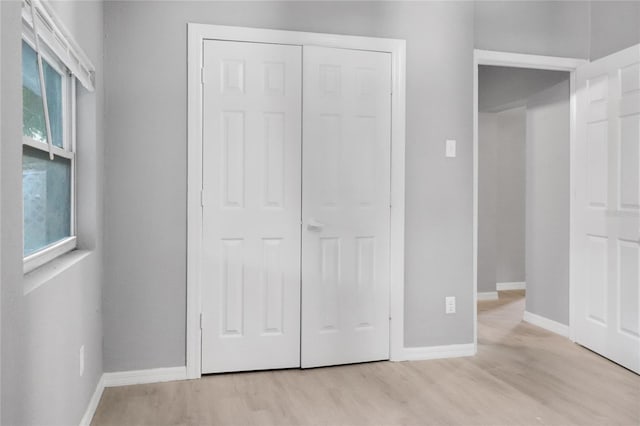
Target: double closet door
[296,206]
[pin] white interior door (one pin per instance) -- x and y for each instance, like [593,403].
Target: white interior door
[607,216]
[251,206]
[346,210]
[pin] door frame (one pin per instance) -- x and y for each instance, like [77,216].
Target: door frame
[520,60]
[196,35]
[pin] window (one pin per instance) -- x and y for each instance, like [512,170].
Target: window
[52,64]
[48,166]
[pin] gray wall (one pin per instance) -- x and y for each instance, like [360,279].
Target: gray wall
[510,200]
[547,204]
[556,28]
[615,25]
[43,330]
[487,203]
[144,298]
[501,198]
[578,29]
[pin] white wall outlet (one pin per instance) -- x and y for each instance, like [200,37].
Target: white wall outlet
[81,360]
[450,148]
[450,305]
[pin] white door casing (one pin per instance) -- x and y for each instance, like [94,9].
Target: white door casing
[346,206]
[251,181]
[606,241]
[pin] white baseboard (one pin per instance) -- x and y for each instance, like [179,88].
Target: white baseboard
[93,403]
[546,323]
[437,352]
[516,285]
[139,377]
[488,295]
[125,378]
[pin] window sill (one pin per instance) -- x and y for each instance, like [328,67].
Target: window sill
[47,254]
[52,269]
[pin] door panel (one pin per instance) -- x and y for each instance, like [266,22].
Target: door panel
[251,206]
[607,217]
[346,212]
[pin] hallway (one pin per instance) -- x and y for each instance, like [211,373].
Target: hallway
[521,375]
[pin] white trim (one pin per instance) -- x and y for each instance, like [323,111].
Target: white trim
[195,39]
[47,254]
[126,378]
[574,245]
[514,285]
[1,198]
[50,270]
[518,60]
[524,60]
[488,295]
[71,145]
[42,146]
[140,377]
[396,243]
[438,352]
[93,403]
[43,86]
[546,323]
[59,39]
[197,33]
[474,260]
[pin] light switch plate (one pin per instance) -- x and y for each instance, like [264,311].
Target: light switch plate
[450,148]
[450,304]
[81,360]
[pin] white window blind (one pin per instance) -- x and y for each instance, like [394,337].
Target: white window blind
[53,33]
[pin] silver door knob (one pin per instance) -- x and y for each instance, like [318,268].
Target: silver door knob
[314,225]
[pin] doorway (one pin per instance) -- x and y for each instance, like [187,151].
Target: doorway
[523,206]
[310,295]
[604,225]
[504,119]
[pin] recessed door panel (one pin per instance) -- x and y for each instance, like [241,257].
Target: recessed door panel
[232,298]
[251,163]
[597,277]
[366,281]
[330,280]
[630,78]
[629,294]
[329,153]
[597,153]
[232,160]
[630,163]
[274,149]
[273,286]
[346,206]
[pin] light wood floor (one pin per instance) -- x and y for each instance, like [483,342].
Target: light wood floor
[522,375]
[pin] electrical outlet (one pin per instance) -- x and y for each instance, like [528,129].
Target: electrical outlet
[450,305]
[81,360]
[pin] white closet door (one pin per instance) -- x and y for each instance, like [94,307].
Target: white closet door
[346,212]
[607,217]
[251,206]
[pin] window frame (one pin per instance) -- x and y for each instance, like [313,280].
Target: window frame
[68,151]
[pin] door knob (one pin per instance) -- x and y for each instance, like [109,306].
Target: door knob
[314,225]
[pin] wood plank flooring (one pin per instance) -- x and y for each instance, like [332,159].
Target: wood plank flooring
[522,375]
